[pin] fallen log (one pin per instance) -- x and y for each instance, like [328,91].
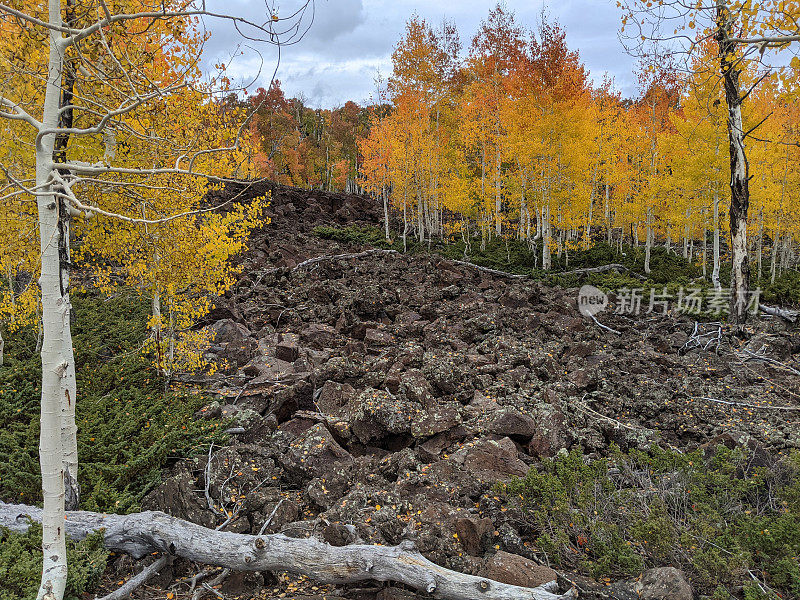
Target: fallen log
[486,269]
[140,534]
[783,313]
[313,261]
[601,269]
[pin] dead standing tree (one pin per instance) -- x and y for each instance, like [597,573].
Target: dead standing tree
[751,38]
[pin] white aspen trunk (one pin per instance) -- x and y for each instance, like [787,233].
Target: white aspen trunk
[594,188]
[69,387]
[420,218]
[760,242]
[589,219]
[171,356]
[705,244]
[648,243]
[55,325]
[715,268]
[385,212]
[607,209]
[157,331]
[547,260]
[2,348]
[774,254]
[405,221]
[669,238]
[498,221]
[686,233]
[787,246]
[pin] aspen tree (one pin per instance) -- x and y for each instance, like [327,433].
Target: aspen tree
[743,31]
[104,68]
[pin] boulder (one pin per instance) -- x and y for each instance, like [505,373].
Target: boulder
[664,583]
[513,423]
[287,350]
[415,387]
[376,414]
[491,461]
[314,453]
[436,419]
[550,435]
[340,534]
[319,336]
[176,496]
[267,369]
[429,450]
[233,342]
[378,337]
[333,396]
[517,570]
[473,533]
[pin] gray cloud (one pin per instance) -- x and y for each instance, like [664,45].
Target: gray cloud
[351,41]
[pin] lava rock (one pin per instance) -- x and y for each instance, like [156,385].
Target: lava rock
[517,570]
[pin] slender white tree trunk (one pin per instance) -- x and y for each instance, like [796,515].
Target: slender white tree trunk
[498,220]
[774,254]
[547,261]
[760,241]
[385,213]
[69,391]
[157,332]
[715,269]
[648,243]
[55,321]
[704,260]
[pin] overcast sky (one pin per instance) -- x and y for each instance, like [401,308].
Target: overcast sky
[350,42]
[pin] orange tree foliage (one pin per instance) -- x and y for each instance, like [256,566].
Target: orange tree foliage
[514,139]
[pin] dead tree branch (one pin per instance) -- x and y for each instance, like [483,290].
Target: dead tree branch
[140,534]
[747,405]
[135,582]
[486,269]
[783,313]
[601,269]
[313,261]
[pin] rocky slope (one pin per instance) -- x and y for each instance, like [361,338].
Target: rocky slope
[381,398]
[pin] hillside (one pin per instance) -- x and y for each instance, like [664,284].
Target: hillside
[370,396]
[382,398]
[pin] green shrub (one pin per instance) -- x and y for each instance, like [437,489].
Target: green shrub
[21,564]
[129,428]
[370,236]
[784,292]
[717,517]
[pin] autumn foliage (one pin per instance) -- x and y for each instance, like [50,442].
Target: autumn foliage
[513,138]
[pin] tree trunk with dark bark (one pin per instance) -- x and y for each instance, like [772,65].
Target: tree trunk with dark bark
[740,191]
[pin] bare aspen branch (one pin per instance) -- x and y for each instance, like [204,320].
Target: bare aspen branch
[70,195]
[19,114]
[109,116]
